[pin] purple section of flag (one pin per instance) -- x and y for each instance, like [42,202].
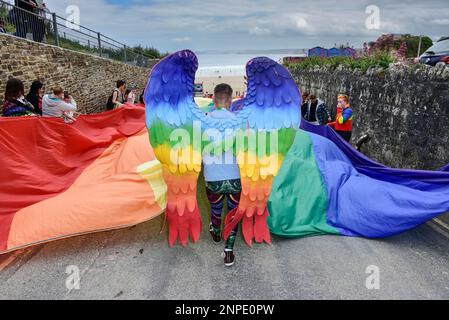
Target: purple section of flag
[420,179]
[377,201]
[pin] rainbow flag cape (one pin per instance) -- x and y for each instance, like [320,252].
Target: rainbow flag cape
[325,186]
[60,180]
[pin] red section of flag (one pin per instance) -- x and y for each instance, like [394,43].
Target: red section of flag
[42,157]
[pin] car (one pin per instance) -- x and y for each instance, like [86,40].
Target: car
[437,54]
[198,89]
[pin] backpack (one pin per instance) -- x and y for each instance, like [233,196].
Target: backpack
[109,104]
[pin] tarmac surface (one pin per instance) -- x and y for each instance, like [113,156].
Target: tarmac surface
[137,263]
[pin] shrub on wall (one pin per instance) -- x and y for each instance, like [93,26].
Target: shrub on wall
[378,60]
[391,43]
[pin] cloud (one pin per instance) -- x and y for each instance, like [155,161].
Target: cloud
[301,23]
[183,39]
[443,22]
[248,24]
[258,31]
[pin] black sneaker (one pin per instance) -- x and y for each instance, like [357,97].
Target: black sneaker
[215,237]
[228,257]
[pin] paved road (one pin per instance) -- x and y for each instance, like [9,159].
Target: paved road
[136,263]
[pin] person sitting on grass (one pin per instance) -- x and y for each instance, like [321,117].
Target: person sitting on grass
[222,178]
[15,104]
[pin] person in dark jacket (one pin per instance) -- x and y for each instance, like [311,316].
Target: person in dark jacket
[26,20]
[305,101]
[35,95]
[316,111]
[15,104]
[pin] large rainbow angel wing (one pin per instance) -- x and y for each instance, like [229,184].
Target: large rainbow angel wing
[261,134]
[273,105]
[170,110]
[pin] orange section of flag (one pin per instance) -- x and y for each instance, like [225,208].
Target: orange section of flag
[109,194]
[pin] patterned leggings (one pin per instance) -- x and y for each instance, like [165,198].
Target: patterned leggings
[216,203]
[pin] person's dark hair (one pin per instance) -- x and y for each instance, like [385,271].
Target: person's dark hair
[35,87]
[120,83]
[127,91]
[305,94]
[223,89]
[14,89]
[142,96]
[312,97]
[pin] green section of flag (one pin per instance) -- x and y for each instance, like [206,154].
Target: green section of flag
[298,200]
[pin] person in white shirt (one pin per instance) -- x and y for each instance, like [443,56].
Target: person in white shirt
[56,105]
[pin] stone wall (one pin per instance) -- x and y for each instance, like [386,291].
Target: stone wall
[405,110]
[90,79]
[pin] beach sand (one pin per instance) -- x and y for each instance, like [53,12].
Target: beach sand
[236,82]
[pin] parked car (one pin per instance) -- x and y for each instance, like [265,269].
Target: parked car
[437,54]
[198,89]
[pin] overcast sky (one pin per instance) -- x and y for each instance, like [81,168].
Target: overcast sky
[254,24]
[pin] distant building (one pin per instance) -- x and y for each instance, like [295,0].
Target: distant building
[349,52]
[317,52]
[332,52]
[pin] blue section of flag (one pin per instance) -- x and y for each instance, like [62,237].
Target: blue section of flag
[369,199]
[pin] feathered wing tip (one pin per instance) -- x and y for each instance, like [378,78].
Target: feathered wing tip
[232,219]
[182,207]
[184,226]
[254,227]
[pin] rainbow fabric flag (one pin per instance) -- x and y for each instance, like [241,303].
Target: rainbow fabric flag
[59,180]
[325,186]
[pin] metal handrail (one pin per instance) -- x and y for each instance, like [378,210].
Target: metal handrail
[26,22]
